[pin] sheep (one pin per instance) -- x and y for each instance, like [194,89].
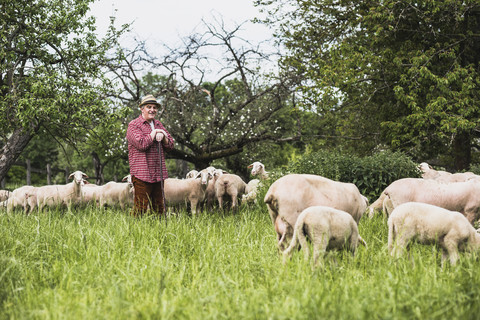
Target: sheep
[288,196]
[258,169]
[229,186]
[24,197]
[210,195]
[463,197]
[327,228]
[178,191]
[117,193]
[251,191]
[61,195]
[191,174]
[443,176]
[431,224]
[4,194]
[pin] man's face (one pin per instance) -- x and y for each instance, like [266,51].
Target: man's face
[149,111]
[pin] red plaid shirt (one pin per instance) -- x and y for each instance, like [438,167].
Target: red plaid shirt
[143,154]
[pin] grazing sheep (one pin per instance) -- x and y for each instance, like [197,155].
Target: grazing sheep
[327,228]
[4,194]
[229,186]
[431,224]
[463,197]
[22,197]
[250,195]
[288,196]
[429,173]
[61,195]
[182,191]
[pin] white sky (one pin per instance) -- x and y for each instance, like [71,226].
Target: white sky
[166,21]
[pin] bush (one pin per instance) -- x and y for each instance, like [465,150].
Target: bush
[370,174]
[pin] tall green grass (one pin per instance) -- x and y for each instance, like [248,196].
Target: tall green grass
[95,264]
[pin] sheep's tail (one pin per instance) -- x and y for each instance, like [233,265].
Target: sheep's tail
[272,206]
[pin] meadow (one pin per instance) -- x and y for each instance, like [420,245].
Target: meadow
[104,264]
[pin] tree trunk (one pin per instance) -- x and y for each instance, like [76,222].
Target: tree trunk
[12,149]
[462,151]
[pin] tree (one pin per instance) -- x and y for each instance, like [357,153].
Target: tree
[51,76]
[399,73]
[215,103]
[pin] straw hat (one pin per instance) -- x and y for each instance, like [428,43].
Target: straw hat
[148,99]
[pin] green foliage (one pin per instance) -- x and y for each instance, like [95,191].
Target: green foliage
[107,265]
[371,174]
[400,73]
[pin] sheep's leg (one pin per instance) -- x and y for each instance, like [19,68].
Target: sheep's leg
[234,202]
[452,248]
[194,206]
[320,244]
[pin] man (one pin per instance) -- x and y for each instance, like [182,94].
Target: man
[147,140]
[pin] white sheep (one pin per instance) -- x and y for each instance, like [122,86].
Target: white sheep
[258,169]
[191,174]
[250,195]
[429,173]
[431,224]
[24,197]
[210,195]
[229,186]
[61,195]
[183,191]
[288,196]
[116,193]
[327,228]
[4,194]
[463,197]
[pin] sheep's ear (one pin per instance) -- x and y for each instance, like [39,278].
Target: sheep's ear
[71,175]
[250,166]
[198,175]
[224,172]
[84,175]
[125,178]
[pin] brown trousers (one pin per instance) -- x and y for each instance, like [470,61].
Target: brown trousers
[147,194]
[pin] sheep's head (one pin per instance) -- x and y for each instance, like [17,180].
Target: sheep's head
[128,179]
[424,167]
[204,176]
[191,174]
[78,177]
[256,167]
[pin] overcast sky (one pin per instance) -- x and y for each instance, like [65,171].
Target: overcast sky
[165,21]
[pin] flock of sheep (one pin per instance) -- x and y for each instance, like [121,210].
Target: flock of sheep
[438,208]
[200,188]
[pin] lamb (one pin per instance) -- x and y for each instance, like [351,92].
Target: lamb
[288,196]
[61,195]
[431,224]
[251,191]
[229,186]
[22,197]
[463,197]
[327,228]
[179,191]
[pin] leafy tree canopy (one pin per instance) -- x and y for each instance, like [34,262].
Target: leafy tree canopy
[399,73]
